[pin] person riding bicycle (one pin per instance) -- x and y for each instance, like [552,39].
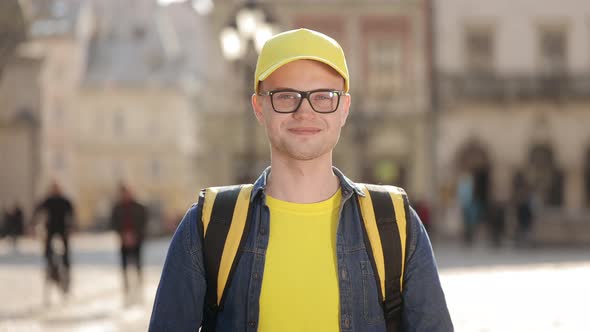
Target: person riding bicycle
[60,215]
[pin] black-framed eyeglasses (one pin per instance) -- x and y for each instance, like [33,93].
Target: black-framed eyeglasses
[289,100]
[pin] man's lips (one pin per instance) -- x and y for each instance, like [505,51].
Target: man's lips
[304,130]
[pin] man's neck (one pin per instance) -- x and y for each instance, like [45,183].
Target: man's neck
[302,181]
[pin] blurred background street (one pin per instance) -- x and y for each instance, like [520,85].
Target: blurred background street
[487,290]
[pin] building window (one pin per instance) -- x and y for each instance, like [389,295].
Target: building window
[553,49]
[58,116]
[139,33]
[118,171]
[59,9]
[155,169]
[479,50]
[58,113]
[59,161]
[59,70]
[98,121]
[384,66]
[153,129]
[474,162]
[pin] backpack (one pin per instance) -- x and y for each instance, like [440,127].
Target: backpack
[226,217]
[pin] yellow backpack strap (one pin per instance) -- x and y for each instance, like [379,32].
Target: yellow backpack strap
[384,211]
[225,219]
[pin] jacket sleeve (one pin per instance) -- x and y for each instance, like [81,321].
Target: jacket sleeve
[424,305]
[181,293]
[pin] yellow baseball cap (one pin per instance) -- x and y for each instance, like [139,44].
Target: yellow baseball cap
[299,44]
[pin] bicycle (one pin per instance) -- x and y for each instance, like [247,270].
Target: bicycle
[56,270]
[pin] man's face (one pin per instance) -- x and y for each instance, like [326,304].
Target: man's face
[54,189]
[125,194]
[305,134]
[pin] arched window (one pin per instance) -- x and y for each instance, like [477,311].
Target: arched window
[545,177]
[473,159]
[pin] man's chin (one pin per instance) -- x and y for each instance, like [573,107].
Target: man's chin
[305,155]
[301,152]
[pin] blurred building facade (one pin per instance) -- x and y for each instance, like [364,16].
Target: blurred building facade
[19,133]
[114,100]
[386,136]
[514,102]
[106,91]
[37,87]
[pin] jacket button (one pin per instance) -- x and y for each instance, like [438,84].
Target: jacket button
[256,275]
[262,231]
[252,323]
[346,323]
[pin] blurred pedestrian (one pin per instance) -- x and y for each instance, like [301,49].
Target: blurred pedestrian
[3,222]
[497,223]
[523,209]
[300,249]
[423,211]
[129,220]
[14,224]
[59,221]
[465,196]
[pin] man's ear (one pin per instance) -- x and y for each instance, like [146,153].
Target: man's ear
[345,100]
[257,108]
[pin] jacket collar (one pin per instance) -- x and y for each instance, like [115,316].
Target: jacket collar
[348,187]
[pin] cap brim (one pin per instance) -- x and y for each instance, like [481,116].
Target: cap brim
[279,64]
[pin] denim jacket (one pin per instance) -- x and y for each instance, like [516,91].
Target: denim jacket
[180,297]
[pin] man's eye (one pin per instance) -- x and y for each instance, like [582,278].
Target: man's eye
[286,96]
[323,96]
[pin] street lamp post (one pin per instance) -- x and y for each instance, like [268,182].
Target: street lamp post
[240,39]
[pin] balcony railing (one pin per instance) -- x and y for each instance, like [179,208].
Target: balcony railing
[493,88]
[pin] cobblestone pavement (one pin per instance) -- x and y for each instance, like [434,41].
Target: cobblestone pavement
[96,302]
[487,290]
[542,289]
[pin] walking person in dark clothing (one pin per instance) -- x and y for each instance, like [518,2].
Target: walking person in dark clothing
[14,222]
[59,220]
[129,219]
[524,215]
[497,223]
[523,210]
[4,227]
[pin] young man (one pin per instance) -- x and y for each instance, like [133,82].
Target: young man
[304,264]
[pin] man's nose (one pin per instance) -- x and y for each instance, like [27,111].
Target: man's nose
[304,110]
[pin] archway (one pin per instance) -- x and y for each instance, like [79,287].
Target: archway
[473,160]
[546,179]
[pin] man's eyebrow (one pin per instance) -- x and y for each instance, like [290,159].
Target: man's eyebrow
[289,88]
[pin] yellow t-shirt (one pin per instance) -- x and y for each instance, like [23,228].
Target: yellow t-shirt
[300,283]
